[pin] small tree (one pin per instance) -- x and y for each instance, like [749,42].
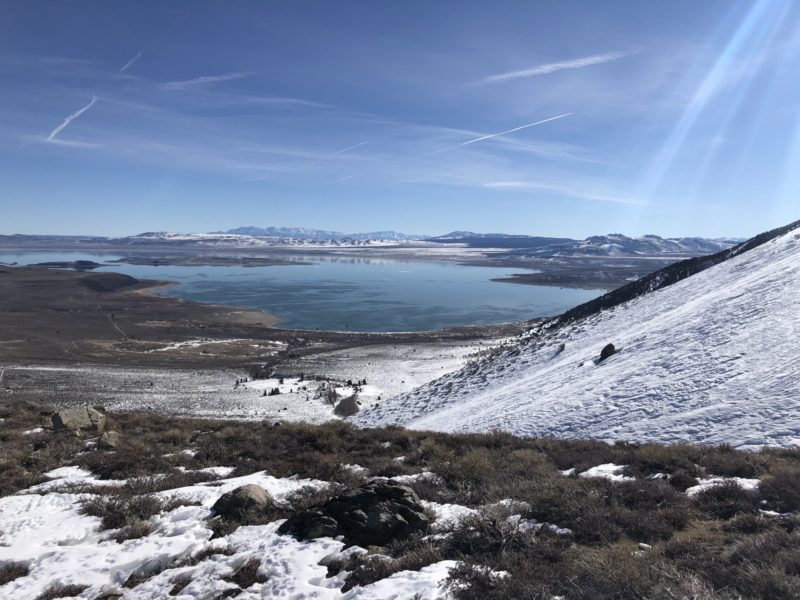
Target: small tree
[331,395]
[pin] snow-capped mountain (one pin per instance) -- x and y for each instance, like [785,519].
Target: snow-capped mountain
[710,358]
[611,245]
[305,233]
[616,244]
[236,240]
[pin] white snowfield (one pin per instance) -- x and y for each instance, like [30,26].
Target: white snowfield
[714,358]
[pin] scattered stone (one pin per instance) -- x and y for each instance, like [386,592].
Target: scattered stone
[243,502]
[608,350]
[79,420]
[373,515]
[108,441]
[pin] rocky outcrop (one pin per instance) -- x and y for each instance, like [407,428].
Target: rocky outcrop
[80,420]
[243,502]
[373,515]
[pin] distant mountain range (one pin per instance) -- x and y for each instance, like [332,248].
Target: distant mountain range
[517,246]
[305,233]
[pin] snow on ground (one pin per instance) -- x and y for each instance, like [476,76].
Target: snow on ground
[211,393]
[713,358]
[60,545]
[704,484]
[608,471]
[394,368]
[275,347]
[294,391]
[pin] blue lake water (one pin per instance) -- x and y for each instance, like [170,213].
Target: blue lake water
[355,294]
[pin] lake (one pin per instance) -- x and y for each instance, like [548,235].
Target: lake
[352,294]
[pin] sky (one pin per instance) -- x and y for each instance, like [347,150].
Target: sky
[563,118]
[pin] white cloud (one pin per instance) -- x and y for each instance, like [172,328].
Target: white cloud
[204,81]
[577,63]
[491,135]
[54,134]
[129,64]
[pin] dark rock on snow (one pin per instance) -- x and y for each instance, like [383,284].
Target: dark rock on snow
[608,350]
[372,515]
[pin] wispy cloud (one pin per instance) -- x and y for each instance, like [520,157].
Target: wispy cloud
[492,135]
[206,80]
[577,63]
[343,150]
[564,191]
[129,64]
[54,134]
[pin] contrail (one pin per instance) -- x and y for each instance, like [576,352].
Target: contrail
[204,81]
[129,64]
[578,63]
[70,119]
[353,147]
[491,135]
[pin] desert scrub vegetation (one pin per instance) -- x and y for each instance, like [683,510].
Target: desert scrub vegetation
[12,571]
[640,537]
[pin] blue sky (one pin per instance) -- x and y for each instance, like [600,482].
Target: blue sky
[674,118]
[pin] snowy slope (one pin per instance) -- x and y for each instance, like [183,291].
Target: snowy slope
[713,358]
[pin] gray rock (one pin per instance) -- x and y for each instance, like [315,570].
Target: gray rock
[79,420]
[243,502]
[108,441]
[373,515]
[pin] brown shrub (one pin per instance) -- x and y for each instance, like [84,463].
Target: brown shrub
[247,574]
[726,500]
[781,488]
[12,571]
[58,590]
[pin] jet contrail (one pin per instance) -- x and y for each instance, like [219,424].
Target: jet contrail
[353,147]
[70,119]
[578,63]
[491,135]
[129,64]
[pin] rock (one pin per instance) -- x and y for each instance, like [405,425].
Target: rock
[243,502]
[79,420]
[312,524]
[373,515]
[108,441]
[608,350]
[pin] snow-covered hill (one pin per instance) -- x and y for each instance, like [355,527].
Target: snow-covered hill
[712,358]
[616,244]
[306,233]
[240,240]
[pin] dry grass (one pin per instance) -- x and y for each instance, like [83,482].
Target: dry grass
[715,545]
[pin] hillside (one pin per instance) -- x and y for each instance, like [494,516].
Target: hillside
[711,358]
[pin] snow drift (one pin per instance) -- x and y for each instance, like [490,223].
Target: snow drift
[711,358]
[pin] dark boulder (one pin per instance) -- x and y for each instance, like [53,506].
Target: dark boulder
[373,515]
[608,350]
[243,502]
